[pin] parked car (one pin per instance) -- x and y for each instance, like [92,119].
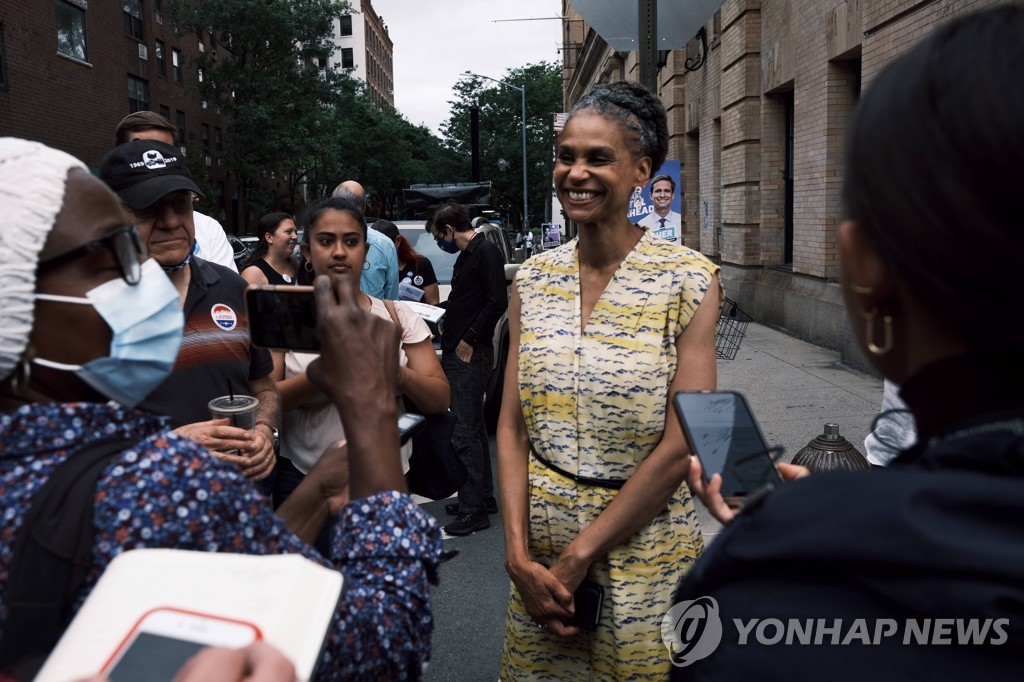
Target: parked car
[242,246]
[444,265]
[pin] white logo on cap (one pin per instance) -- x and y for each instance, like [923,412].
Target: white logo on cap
[153,159]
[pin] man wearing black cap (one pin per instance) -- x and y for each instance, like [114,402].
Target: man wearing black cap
[216,356]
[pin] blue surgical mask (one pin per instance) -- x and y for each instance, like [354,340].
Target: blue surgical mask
[448,246]
[147,325]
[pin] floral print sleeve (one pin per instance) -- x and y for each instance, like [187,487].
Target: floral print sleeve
[167,491]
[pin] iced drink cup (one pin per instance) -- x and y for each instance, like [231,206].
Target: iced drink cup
[240,409]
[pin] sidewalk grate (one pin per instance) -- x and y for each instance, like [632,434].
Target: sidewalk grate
[732,327]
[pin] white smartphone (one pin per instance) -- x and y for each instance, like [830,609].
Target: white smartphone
[164,639]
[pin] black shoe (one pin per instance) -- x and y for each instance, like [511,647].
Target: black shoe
[468,523]
[490,503]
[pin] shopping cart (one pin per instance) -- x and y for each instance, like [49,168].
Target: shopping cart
[732,327]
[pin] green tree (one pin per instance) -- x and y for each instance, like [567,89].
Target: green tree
[501,140]
[265,79]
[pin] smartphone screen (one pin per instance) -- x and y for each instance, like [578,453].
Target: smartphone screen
[723,434]
[165,639]
[282,317]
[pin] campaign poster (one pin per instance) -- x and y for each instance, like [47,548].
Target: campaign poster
[659,204]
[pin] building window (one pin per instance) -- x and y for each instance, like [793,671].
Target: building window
[161,60]
[165,112]
[71,30]
[158,11]
[347,61]
[218,139]
[181,127]
[346,25]
[176,65]
[138,94]
[206,138]
[132,17]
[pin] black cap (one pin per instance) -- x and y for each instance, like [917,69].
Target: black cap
[142,172]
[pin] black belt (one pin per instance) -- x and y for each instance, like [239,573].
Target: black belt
[609,483]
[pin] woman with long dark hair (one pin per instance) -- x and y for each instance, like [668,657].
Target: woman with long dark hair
[271,261]
[414,269]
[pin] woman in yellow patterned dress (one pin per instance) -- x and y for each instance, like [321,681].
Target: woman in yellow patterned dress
[604,329]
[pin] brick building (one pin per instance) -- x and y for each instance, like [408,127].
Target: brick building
[363,45]
[759,130]
[70,70]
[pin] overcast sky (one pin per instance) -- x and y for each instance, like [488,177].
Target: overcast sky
[435,41]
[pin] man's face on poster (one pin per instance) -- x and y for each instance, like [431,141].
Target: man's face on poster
[661,195]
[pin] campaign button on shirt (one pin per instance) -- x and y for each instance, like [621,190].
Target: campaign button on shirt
[224,317]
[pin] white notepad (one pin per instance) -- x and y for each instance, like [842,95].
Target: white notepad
[288,597]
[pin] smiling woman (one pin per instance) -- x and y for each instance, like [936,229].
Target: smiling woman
[592,460]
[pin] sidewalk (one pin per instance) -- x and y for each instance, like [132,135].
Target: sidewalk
[793,388]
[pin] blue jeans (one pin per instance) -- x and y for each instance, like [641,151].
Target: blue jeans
[468,382]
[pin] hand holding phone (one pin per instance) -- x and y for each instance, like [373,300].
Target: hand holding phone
[282,317]
[722,433]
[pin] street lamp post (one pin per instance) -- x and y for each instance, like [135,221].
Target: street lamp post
[522,95]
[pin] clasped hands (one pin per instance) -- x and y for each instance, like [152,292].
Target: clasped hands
[547,593]
[251,451]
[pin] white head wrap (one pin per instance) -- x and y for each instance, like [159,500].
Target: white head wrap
[32,178]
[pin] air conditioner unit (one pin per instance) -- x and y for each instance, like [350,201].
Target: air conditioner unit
[143,51]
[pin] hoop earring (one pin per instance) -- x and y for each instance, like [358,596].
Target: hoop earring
[869,332]
[861,289]
[308,266]
[366,265]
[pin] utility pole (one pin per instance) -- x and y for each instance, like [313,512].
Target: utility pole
[648,54]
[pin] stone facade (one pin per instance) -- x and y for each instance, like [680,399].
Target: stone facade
[759,130]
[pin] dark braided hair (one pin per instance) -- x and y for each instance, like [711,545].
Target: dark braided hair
[639,111]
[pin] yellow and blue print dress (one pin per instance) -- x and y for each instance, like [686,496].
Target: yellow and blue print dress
[595,405]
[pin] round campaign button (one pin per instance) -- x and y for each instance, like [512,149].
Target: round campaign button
[224,317]
[417,280]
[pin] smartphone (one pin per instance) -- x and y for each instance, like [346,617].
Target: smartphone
[410,424]
[725,437]
[164,639]
[587,600]
[282,317]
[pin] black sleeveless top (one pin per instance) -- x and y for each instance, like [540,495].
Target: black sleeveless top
[273,276]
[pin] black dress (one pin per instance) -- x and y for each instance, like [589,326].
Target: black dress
[273,276]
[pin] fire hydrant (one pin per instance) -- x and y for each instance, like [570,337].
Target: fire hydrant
[831,452]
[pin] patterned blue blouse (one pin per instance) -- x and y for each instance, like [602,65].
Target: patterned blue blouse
[167,491]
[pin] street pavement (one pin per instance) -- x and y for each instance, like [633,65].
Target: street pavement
[793,388]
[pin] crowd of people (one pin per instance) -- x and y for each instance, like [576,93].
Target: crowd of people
[118,326]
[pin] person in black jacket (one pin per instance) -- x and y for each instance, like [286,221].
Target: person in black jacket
[913,571]
[477,301]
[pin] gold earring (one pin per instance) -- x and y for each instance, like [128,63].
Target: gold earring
[861,289]
[869,331]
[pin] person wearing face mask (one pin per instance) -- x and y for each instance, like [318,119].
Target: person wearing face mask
[80,306]
[476,303]
[217,357]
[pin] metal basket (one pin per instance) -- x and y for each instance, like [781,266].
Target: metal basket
[732,327]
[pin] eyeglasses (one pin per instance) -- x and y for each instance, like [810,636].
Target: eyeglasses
[180,203]
[123,242]
[439,235]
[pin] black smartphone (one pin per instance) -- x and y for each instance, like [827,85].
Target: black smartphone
[587,599]
[410,424]
[725,437]
[282,317]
